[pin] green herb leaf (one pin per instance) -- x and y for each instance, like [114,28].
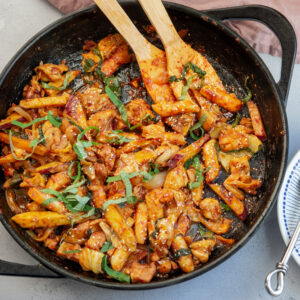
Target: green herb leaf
[198,125]
[80,151]
[129,175]
[78,175]
[72,251]
[225,207]
[186,88]
[45,85]
[204,232]
[122,277]
[117,138]
[118,103]
[42,136]
[249,93]
[153,169]
[88,63]
[141,122]
[113,201]
[22,125]
[186,67]
[106,246]
[181,252]
[55,121]
[81,134]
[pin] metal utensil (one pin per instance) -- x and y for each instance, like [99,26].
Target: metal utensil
[282,267]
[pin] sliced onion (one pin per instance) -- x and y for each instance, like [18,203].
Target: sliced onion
[21,112]
[156,181]
[45,235]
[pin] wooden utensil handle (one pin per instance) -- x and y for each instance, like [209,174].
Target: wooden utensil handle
[117,16]
[160,19]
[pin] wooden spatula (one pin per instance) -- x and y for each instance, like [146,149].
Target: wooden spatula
[152,62]
[180,55]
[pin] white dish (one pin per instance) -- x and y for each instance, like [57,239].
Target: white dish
[288,205]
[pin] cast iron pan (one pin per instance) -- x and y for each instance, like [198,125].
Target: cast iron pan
[232,57]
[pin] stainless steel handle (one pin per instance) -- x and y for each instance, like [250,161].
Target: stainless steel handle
[282,266]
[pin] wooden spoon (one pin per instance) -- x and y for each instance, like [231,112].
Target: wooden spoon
[152,62]
[179,54]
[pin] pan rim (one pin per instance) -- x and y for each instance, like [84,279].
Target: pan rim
[183,277]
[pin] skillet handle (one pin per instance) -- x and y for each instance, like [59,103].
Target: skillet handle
[278,24]
[15,269]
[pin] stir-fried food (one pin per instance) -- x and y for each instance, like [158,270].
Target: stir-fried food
[128,188]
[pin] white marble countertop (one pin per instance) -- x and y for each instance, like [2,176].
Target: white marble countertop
[240,277]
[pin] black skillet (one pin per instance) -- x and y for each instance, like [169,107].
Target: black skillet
[232,57]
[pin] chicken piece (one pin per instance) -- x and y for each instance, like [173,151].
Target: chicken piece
[107,155]
[142,273]
[96,240]
[211,160]
[202,249]
[181,123]
[211,111]
[210,209]
[108,45]
[233,138]
[183,225]
[102,119]
[197,192]
[137,111]
[69,251]
[119,57]
[50,72]
[185,260]
[164,266]
[156,131]
[34,90]
[93,101]
[37,180]
[240,175]
[99,195]
[176,178]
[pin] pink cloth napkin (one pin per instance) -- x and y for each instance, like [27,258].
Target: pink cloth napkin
[257,35]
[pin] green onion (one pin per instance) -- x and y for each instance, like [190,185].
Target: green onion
[237,120]
[63,87]
[106,246]
[249,93]
[88,63]
[122,277]
[198,172]
[118,103]
[198,125]
[181,252]
[97,52]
